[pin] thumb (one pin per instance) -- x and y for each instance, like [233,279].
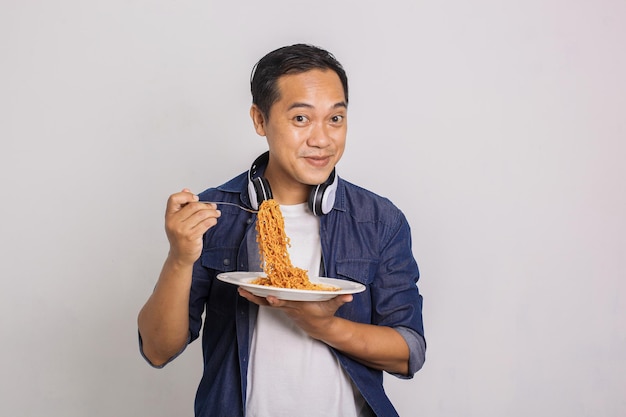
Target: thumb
[343,299]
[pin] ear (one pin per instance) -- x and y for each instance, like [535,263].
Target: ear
[258,120]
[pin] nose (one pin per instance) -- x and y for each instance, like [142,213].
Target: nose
[319,136]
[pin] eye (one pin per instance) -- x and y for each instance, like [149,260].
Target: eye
[300,119]
[337,119]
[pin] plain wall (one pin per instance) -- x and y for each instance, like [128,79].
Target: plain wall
[498,127]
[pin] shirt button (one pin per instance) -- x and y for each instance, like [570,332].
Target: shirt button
[249,221]
[226,261]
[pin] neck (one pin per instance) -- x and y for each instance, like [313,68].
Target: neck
[286,190]
[290,195]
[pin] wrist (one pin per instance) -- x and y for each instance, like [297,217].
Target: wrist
[178,261]
[334,332]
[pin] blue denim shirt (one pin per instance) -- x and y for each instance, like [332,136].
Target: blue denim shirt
[365,238]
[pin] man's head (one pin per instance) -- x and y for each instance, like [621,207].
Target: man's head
[287,60]
[300,106]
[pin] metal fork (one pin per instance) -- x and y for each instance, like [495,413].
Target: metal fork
[230,204]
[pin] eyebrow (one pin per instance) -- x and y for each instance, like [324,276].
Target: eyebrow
[296,105]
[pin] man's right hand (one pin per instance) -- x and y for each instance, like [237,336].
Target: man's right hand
[186,221]
[164,319]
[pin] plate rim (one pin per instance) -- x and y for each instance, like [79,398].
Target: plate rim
[358,286]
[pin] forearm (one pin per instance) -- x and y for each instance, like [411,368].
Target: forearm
[378,347]
[164,320]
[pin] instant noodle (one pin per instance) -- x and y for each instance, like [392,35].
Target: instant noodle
[275,261]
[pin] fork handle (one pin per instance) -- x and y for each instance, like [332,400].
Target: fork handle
[230,204]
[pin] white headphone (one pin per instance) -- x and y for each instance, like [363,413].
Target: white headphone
[321,198]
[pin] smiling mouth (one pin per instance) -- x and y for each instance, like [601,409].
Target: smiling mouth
[319,161]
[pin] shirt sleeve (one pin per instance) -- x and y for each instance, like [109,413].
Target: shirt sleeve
[417,350]
[169,360]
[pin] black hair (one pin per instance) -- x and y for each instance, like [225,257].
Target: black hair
[292,59]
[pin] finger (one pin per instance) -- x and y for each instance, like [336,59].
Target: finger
[190,230]
[184,207]
[251,297]
[343,299]
[334,303]
[190,221]
[276,302]
[198,229]
[179,200]
[201,216]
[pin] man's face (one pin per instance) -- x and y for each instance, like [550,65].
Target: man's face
[306,133]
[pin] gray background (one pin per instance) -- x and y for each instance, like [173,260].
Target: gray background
[497,126]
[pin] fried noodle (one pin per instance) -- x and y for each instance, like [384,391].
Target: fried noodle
[275,261]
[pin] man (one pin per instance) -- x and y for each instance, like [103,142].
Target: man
[268,356]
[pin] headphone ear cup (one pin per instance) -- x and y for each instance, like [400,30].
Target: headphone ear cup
[315,199]
[259,190]
[322,197]
[328,198]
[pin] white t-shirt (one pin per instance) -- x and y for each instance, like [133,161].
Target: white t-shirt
[291,374]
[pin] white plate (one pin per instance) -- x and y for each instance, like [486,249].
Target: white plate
[243,279]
